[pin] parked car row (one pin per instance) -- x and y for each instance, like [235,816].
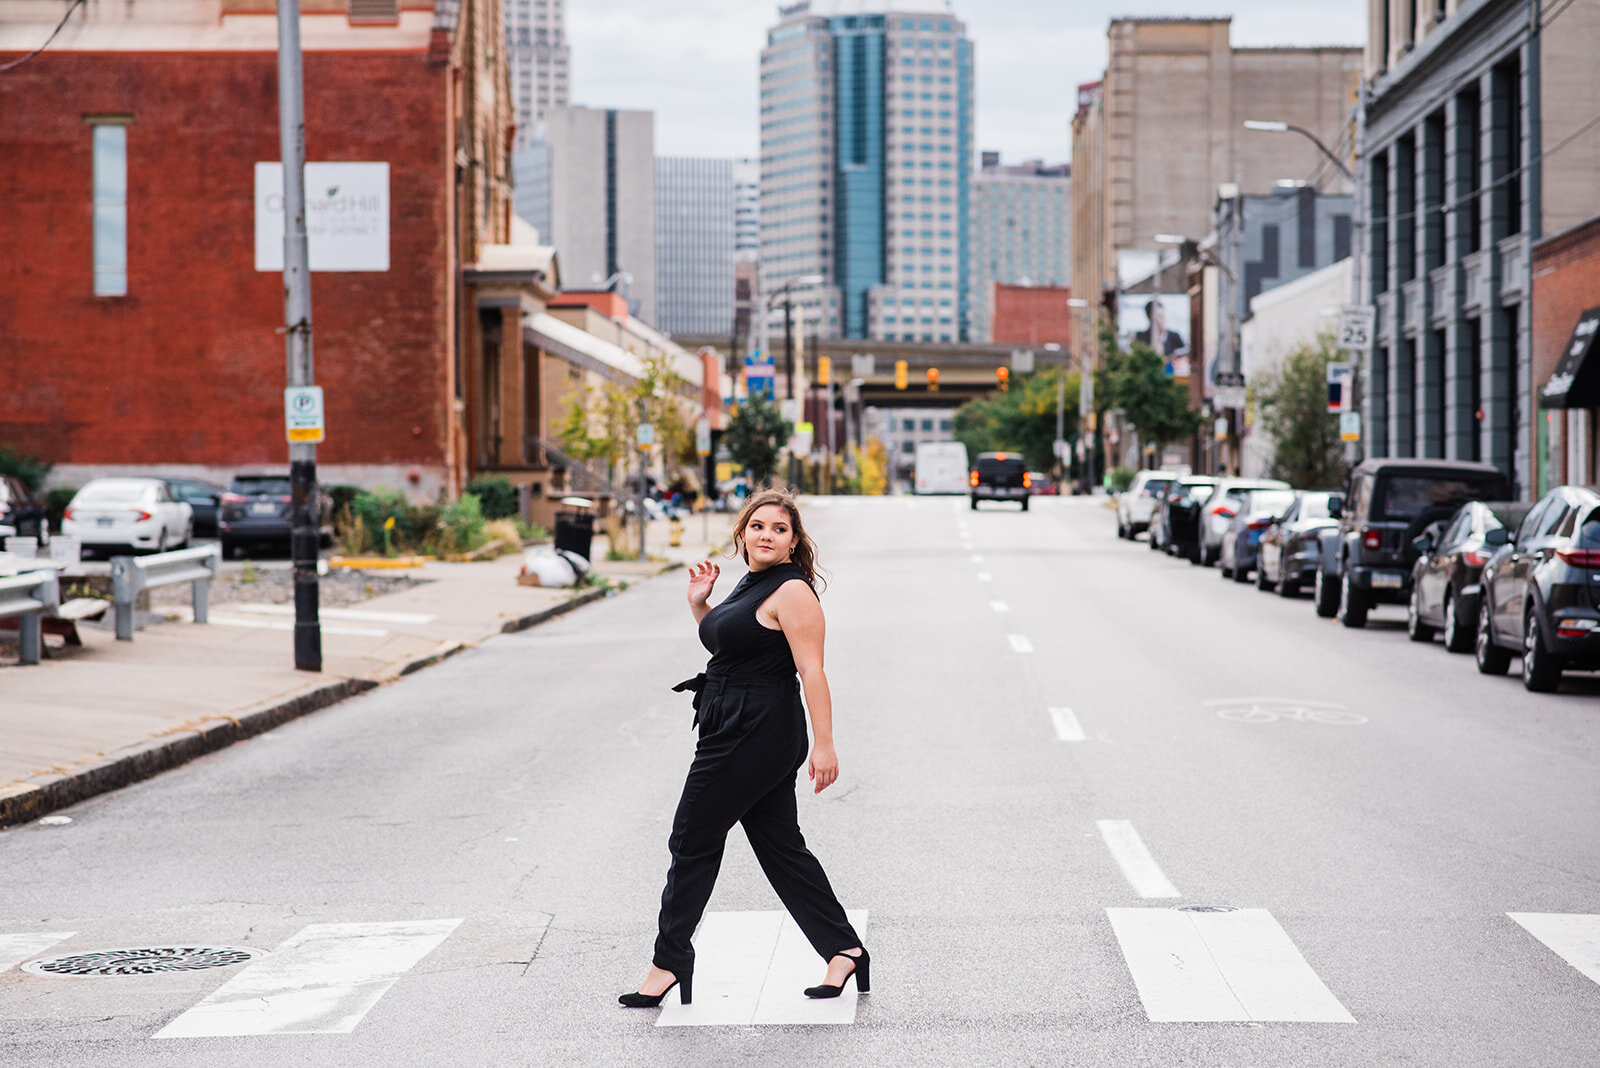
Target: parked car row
[1501,579]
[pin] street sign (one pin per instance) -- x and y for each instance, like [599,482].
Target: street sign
[646,435]
[1349,426]
[1061,449]
[1356,322]
[702,437]
[1340,376]
[760,374]
[1022,361]
[1220,428]
[863,365]
[302,413]
[790,409]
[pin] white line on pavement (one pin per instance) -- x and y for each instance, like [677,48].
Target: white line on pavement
[750,968]
[184,612]
[418,618]
[1067,727]
[984,576]
[1020,643]
[1215,966]
[1574,937]
[1138,866]
[16,948]
[999,606]
[321,981]
[977,559]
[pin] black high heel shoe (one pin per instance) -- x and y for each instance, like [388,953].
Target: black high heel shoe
[860,971]
[684,983]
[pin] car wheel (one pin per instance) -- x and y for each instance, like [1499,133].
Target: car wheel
[1352,605]
[974,504]
[1262,582]
[1241,573]
[1457,638]
[187,534]
[161,541]
[1541,669]
[1024,504]
[1325,595]
[1416,629]
[1492,660]
[1122,530]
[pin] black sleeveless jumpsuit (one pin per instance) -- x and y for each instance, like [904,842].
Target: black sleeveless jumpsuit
[752,742]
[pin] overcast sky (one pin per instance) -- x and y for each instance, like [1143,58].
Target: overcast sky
[694,62]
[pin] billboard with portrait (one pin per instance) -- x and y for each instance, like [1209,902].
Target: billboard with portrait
[1160,320]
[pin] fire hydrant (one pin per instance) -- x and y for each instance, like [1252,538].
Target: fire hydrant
[675,533]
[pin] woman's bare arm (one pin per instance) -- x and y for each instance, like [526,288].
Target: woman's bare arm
[799,614]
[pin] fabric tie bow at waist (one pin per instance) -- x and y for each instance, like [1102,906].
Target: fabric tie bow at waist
[698,685]
[718,683]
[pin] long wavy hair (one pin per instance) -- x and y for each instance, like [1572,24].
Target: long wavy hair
[804,554]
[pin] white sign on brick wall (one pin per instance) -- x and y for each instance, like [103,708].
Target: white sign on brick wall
[347,216]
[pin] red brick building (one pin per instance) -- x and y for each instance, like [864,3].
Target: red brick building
[183,371]
[1032,315]
[1566,358]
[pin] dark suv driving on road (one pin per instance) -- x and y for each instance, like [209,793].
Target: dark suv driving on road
[1000,476]
[1387,504]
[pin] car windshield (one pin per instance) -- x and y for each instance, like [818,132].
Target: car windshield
[1274,501]
[1154,487]
[1589,532]
[1315,506]
[270,487]
[112,493]
[1408,496]
[1508,516]
[989,465]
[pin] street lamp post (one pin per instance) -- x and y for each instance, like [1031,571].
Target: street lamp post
[1085,399]
[1273,126]
[785,291]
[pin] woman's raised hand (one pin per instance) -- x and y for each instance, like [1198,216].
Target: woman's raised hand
[702,577]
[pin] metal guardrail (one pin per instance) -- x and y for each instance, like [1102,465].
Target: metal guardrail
[131,575]
[29,596]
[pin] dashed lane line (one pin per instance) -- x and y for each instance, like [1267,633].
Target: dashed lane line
[1574,937]
[1133,857]
[1068,729]
[999,606]
[1020,643]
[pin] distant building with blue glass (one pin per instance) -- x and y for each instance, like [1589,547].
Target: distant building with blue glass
[866,166]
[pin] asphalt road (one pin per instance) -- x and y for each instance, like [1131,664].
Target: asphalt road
[463,868]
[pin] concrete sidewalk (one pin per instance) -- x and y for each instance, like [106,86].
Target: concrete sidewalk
[94,718]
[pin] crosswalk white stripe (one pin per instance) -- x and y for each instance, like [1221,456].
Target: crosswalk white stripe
[750,968]
[1068,729]
[321,981]
[1020,643]
[1131,855]
[362,614]
[16,948]
[1573,936]
[1209,967]
[999,606]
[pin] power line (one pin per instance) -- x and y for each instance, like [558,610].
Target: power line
[19,62]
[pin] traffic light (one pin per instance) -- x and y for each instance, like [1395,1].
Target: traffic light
[1003,375]
[824,370]
[933,380]
[899,374]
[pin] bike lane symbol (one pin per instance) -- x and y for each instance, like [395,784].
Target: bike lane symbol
[1273,709]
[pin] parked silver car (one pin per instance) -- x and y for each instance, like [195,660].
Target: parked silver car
[1257,511]
[1138,502]
[1220,508]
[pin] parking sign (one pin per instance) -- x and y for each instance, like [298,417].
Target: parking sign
[302,413]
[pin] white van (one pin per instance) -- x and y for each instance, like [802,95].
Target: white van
[941,467]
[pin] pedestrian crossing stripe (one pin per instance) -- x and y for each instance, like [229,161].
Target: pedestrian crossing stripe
[1207,967]
[751,968]
[16,948]
[324,980]
[1574,937]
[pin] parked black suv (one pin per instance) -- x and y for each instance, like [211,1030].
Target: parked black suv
[1387,503]
[22,510]
[1000,476]
[1539,592]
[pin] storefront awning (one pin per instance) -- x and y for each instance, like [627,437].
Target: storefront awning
[1576,382]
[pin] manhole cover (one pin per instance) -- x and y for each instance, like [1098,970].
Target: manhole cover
[1204,908]
[142,960]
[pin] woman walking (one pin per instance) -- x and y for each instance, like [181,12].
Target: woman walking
[752,742]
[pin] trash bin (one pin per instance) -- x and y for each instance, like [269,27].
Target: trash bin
[575,527]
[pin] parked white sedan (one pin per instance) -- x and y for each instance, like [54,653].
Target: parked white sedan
[132,513]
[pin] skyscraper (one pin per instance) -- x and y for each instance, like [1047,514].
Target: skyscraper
[746,210]
[695,221]
[536,45]
[866,144]
[1020,232]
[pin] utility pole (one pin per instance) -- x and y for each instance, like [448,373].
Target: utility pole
[644,473]
[788,345]
[297,336]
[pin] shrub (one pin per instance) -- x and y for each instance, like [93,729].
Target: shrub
[30,469]
[497,496]
[1121,478]
[461,526]
[56,502]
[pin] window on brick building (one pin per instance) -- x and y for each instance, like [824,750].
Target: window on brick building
[110,144]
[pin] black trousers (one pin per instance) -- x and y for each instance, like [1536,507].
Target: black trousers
[752,742]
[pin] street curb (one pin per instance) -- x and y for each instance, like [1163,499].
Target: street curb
[32,798]
[28,800]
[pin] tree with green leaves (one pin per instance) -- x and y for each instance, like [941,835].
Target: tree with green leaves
[602,423]
[1136,381]
[1021,419]
[754,435]
[1306,449]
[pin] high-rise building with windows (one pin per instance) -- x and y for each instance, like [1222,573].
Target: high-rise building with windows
[1021,232]
[866,144]
[536,47]
[746,210]
[695,221]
